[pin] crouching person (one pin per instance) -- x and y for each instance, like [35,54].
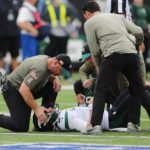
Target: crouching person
[36,77]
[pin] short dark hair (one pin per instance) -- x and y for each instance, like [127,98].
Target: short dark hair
[91,6]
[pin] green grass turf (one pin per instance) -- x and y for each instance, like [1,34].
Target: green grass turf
[66,99]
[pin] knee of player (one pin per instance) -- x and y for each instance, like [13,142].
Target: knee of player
[21,127]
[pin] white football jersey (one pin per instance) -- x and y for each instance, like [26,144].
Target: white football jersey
[77,118]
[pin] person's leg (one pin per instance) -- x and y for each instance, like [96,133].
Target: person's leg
[14,51]
[78,124]
[47,94]
[29,45]
[118,114]
[142,68]
[63,41]
[24,45]
[109,69]
[52,48]
[137,89]
[33,47]
[3,48]
[147,46]
[19,118]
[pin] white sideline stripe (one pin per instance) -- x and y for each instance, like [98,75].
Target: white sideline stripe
[64,87]
[72,135]
[5,113]
[67,87]
[94,140]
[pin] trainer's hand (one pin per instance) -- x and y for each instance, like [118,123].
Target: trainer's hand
[39,112]
[80,99]
[147,84]
[56,85]
[87,83]
[141,47]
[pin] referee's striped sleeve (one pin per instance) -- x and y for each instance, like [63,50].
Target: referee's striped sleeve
[119,7]
[108,6]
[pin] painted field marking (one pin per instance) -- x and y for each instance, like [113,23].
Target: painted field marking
[67,87]
[64,146]
[72,135]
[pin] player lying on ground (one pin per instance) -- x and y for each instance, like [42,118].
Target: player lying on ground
[77,118]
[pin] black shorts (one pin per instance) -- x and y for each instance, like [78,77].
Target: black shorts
[9,44]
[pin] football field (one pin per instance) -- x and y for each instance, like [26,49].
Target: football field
[73,140]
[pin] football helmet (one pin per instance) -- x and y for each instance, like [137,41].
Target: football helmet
[47,126]
[52,117]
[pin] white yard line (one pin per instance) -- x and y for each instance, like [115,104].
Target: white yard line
[93,140]
[67,87]
[73,135]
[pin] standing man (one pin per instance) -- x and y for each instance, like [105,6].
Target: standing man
[26,21]
[34,78]
[114,37]
[60,17]
[122,7]
[9,32]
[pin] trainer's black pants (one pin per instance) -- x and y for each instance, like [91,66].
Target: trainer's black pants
[20,112]
[128,64]
[118,114]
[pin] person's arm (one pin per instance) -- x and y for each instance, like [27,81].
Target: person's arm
[93,43]
[134,30]
[24,23]
[30,83]
[85,71]
[30,101]
[28,97]
[57,84]
[28,27]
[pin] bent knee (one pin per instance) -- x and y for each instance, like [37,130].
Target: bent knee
[21,127]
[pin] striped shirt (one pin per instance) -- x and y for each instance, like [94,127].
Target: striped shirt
[119,7]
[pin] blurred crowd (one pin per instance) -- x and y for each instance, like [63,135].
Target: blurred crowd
[27,25]
[33,27]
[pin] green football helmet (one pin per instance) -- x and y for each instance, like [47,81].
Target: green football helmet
[51,120]
[49,125]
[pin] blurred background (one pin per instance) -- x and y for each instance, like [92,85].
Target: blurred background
[51,27]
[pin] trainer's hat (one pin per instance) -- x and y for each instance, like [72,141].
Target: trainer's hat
[85,53]
[66,64]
